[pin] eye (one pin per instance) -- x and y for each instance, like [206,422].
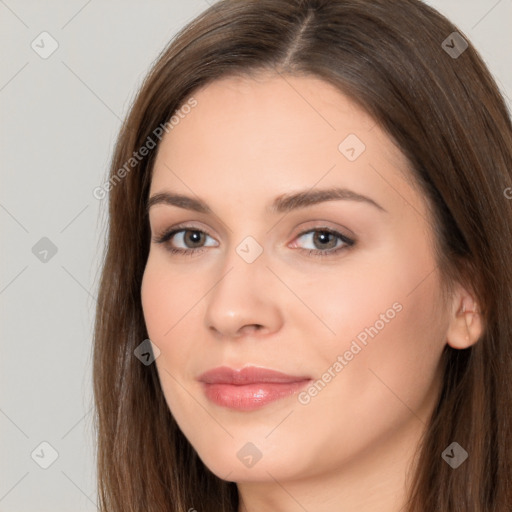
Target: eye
[190,239]
[325,241]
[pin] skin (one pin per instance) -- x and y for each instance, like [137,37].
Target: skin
[248,141]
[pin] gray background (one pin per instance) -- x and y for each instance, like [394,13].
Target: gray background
[59,120]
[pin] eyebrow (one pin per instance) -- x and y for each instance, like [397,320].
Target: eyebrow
[282,204]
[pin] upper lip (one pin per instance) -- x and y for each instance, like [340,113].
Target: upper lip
[247,375]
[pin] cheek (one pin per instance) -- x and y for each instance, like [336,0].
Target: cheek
[171,304]
[388,321]
[405,355]
[387,382]
[391,340]
[154,300]
[162,310]
[167,295]
[360,302]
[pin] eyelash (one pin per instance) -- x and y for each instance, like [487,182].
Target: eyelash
[166,236]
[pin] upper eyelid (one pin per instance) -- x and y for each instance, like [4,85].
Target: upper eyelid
[191,226]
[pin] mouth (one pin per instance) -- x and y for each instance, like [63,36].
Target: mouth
[250,387]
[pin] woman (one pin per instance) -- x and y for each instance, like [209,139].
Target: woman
[309,220]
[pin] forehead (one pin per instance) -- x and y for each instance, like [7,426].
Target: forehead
[269,132]
[277,102]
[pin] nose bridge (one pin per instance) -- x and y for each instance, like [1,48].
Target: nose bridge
[241,296]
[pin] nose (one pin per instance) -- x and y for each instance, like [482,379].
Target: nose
[244,301]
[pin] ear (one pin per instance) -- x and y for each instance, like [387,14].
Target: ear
[466,322]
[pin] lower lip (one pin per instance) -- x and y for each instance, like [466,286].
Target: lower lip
[248,397]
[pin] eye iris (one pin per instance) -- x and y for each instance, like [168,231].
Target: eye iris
[196,237]
[323,237]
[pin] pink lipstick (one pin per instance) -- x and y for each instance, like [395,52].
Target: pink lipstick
[248,388]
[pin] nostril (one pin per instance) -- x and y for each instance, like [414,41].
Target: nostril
[253,327]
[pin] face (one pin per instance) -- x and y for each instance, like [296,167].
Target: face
[276,271]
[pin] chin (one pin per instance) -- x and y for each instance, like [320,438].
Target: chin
[244,461]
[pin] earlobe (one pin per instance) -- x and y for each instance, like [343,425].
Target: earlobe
[466,323]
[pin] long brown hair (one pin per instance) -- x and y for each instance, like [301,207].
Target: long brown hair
[446,114]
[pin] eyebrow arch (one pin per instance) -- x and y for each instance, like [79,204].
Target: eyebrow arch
[303,199]
[283,203]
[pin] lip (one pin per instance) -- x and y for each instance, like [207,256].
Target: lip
[249,388]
